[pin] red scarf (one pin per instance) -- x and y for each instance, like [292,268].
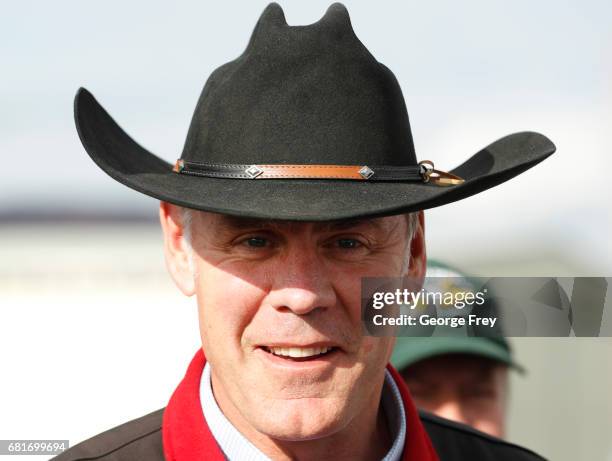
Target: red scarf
[186,436]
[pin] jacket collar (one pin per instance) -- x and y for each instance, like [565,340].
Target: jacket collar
[187,437]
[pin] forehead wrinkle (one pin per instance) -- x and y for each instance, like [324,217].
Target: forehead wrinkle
[344,224]
[236,222]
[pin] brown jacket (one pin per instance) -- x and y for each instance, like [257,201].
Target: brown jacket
[141,439]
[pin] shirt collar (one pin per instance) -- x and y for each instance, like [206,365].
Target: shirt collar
[235,446]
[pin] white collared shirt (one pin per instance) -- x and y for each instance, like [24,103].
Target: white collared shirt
[236,447]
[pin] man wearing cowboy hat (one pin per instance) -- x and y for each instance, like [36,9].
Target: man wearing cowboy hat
[298,178]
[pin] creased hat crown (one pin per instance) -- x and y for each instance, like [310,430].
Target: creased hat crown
[302,94]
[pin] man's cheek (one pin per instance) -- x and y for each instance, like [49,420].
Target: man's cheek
[370,346]
[376,349]
[226,313]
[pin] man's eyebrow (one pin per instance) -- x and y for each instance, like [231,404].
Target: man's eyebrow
[483,372]
[237,222]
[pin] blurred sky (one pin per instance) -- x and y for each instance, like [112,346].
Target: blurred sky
[471,72]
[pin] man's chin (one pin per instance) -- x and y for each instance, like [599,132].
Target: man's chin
[302,419]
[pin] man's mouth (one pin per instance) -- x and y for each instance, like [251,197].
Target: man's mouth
[299,353]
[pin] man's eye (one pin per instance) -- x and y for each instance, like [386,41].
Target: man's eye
[256,242]
[348,244]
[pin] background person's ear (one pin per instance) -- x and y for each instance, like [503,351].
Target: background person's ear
[177,250]
[418,254]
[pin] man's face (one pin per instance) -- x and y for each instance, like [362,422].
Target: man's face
[279,309]
[464,388]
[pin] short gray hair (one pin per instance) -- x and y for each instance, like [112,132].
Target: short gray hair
[187,223]
[413,224]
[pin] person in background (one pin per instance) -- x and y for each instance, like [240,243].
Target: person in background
[464,379]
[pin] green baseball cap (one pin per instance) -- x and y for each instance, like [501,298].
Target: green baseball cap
[410,350]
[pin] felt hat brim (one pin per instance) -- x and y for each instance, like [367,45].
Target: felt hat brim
[113,150]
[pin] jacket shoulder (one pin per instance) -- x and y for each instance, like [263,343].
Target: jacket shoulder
[454,441]
[138,439]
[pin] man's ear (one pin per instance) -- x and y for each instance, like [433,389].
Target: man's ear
[418,253]
[176,248]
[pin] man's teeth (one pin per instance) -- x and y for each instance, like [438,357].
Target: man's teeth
[299,352]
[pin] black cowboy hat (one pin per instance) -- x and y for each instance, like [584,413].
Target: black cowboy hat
[304,125]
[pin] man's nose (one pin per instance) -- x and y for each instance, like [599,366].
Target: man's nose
[452,409]
[301,284]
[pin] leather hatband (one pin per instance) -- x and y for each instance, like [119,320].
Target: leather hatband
[423,172]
